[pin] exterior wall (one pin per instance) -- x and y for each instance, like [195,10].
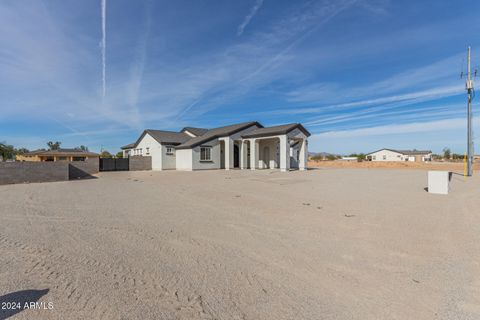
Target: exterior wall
[127,152]
[295,155]
[216,156]
[83,169]
[154,150]
[168,160]
[387,155]
[184,159]
[273,155]
[25,172]
[20,157]
[139,163]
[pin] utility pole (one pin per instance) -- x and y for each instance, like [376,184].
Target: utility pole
[469,87]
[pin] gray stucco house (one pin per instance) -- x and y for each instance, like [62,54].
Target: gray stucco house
[247,145]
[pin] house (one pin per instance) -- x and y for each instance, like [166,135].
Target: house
[247,145]
[56,155]
[399,155]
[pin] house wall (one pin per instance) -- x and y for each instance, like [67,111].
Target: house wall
[184,159]
[389,156]
[295,155]
[216,156]
[168,160]
[273,154]
[155,150]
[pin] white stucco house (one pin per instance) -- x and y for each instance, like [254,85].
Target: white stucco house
[247,145]
[399,155]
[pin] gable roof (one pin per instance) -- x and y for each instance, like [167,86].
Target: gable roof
[195,131]
[128,146]
[165,137]
[276,130]
[405,152]
[216,133]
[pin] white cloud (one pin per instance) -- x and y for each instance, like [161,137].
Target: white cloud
[248,18]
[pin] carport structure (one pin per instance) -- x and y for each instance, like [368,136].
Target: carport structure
[284,147]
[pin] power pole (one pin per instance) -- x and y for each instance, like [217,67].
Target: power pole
[469,87]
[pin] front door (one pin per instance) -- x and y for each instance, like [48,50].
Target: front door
[236,156]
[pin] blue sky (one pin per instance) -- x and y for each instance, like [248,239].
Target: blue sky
[360,75]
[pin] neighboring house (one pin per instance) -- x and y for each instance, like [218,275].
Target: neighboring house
[399,155]
[57,155]
[246,145]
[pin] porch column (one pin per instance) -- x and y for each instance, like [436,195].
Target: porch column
[284,153]
[243,154]
[228,153]
[303,157]
[254,154]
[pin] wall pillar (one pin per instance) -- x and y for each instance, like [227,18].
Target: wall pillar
[228,153]
[243,153]
[284,153]
[303,157]
[254,153]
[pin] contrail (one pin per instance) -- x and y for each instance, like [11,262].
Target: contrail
[104,44]
[248,18]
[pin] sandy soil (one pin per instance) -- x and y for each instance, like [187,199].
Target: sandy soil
[458,167]
[321,244]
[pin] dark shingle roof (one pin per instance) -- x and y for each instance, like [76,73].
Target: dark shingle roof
[195,131]
[275,130]
[128,146]
[216,133]
[164,137]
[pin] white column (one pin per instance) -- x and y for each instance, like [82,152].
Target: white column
[284,153]
[242,154]
[303,158]
[254,149]
[228,153]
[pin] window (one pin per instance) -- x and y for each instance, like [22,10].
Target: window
[205,153]
[374,157]
[170,150]
[78,158]
[62,158]
[384,157]
[147,150]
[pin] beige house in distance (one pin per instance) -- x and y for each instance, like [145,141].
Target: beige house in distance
[57,155]
[399,155]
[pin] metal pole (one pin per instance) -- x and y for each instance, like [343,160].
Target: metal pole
[469,120]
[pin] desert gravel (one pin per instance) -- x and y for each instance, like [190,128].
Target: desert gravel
[321,244]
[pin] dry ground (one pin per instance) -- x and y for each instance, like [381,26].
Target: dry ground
[321,244]
[457,167]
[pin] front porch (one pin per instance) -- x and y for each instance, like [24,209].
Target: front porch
[282,152]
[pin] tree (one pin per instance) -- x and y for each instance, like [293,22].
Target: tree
[446,153]
[119,154]
[6,151]
[21,151]
[53,145]
[83,148]
[105,154]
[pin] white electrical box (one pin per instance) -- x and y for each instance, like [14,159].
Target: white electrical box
[438,182]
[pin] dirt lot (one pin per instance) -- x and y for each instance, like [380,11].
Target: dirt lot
[457,167]
[321,244]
